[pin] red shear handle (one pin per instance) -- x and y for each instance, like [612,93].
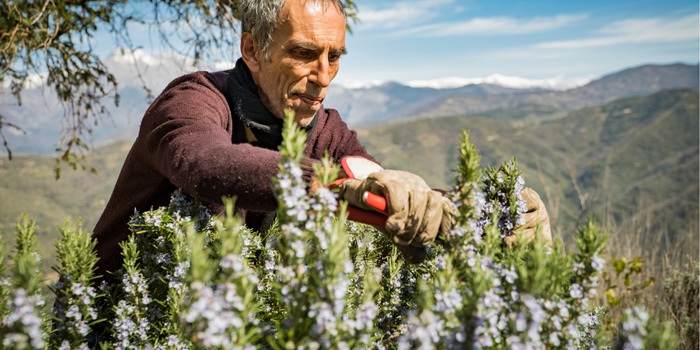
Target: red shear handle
[375,201]
[373,218]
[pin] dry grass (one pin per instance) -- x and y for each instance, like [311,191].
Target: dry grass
[671,263]
[666,282]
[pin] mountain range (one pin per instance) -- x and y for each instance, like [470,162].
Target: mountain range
[393,101]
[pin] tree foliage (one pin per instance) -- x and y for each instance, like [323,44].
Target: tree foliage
[56,39]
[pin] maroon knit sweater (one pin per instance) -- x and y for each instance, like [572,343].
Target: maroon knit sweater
[188,139]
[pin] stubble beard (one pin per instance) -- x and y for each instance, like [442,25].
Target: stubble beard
[302,109]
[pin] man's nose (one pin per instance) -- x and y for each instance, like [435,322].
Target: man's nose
[321,73]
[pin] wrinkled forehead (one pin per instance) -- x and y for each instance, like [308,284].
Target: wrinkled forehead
[318,7]
[313,20]
[322,5]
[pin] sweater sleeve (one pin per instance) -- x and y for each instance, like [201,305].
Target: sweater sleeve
[187,137]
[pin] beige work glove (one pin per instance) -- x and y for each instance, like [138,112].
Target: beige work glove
[416,213]
[536,220]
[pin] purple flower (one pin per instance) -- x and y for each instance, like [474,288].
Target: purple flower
[576,291]
[597,263]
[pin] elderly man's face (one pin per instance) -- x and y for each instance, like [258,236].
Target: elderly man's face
[304,58]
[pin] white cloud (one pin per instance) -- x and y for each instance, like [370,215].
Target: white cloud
[34,80]
[402,13]
[637,30]
[155,70]
[494,26]
[134,69]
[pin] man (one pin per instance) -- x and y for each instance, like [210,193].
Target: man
[216,134]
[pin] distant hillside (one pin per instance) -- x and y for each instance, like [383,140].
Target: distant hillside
[28,185]
[629,159]
[392,101]
[639,81]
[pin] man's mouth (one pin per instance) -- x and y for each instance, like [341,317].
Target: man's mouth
[311,101]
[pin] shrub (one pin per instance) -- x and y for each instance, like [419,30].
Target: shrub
[317,281]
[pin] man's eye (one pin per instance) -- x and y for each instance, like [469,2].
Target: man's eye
[334,57]
[303,53]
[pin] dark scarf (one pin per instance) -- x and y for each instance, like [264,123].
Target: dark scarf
[247,106]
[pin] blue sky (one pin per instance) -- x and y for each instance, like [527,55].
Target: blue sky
[566,40]
[563,42]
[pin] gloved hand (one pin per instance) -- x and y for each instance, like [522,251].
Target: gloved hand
[536,220]
[416,213]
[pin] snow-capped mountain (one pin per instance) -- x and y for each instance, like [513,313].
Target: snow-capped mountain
[514,82]
[557,83]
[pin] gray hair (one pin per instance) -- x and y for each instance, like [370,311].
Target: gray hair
[259,18]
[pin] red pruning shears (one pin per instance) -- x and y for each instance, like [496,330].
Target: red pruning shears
[359,168]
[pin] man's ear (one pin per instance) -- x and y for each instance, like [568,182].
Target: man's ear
[250,52]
